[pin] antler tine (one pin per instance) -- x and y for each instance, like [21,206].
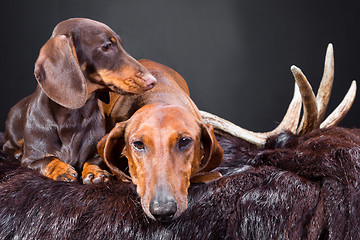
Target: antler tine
[289,122]
[324,91]
[309,120]
[339,113]
[229,127]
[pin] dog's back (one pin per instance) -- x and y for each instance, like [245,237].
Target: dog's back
[14,127]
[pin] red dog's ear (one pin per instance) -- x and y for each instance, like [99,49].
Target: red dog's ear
[58,73]
[110,149]
[213,155]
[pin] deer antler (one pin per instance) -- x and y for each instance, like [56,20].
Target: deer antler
[313,119]
[289,122]
[339,113]
[314,107]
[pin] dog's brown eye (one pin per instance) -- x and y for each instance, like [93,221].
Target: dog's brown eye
[138,145]
[184,143]
[106,47]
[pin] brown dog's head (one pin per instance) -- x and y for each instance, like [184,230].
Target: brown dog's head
[165,147]
[84,56]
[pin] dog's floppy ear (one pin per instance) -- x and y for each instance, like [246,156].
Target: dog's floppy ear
[58,73]
[110,149]
[213,155]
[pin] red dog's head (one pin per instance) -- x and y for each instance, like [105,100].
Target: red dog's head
[165,147]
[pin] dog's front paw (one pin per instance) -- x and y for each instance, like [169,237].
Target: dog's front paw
[93,174]
[60,171]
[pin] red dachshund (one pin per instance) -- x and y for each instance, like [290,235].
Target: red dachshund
[164,140]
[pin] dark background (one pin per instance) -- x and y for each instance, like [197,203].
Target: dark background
[235,55]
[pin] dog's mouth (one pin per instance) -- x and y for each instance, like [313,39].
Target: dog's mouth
[119,90]
[130,85]
[165,218]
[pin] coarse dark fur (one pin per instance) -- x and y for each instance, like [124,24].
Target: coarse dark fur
[293,188]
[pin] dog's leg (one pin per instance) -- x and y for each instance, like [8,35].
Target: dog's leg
[92,172]
[14,148]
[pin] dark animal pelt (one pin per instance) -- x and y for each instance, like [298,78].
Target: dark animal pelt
[294,188]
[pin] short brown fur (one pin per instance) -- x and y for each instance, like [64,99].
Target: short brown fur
[166,145]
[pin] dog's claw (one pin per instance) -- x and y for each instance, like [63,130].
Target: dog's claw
[66,178]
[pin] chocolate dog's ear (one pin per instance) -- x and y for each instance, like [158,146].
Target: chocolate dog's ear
[213,155]
[58,73]
[110,150]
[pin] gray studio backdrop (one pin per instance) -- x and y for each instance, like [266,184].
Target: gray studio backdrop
[235,55]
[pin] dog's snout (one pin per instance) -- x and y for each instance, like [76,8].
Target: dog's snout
[163,206]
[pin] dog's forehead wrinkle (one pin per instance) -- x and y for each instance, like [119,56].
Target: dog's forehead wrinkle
[142,128]
[177,120]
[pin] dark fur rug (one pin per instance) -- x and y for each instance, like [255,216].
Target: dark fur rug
[295,187]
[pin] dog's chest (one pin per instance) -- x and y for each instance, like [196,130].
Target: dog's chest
[79,132]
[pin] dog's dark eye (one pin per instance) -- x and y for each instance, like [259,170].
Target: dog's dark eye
[106,47]
[184,143]
[138,145]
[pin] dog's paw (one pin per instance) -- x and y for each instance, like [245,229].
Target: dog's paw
[93,174]
[60,171]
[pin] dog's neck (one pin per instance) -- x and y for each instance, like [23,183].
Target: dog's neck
[86,110]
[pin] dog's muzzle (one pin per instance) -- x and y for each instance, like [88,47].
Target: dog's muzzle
[163,205]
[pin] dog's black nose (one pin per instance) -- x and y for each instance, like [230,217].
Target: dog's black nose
[163,206]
